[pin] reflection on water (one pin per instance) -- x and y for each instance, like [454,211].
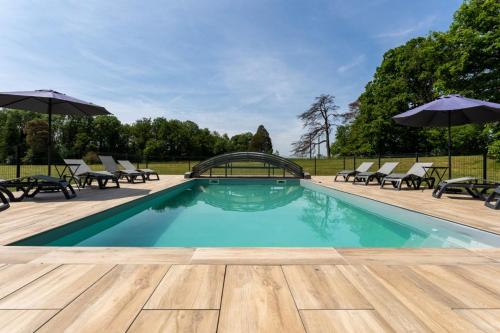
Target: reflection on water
[249,214]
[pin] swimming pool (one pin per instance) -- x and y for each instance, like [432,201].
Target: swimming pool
[260,213]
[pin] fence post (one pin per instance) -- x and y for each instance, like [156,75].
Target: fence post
[344,162]
[354,162]
[485,165]
[189,164]
[416,157]
[18,161]
[379,160]
[315,166]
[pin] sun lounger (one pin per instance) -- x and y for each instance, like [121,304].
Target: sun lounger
[83,175]
[4,203]
[367,177]
[147,172]
[32,185]
[493,200]
[471,185]
[131,175]
[413,178]
[346,174]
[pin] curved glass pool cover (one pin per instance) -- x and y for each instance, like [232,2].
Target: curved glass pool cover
[261,213]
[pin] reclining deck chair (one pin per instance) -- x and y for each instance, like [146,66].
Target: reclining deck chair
[83,175]
[131,175]
[346,174]
[147,172]
[367,177]
[413,178]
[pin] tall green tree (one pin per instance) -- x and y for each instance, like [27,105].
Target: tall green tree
[261,141]
[37,138]
[463,60]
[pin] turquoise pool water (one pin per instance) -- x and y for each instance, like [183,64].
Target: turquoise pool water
[257,213]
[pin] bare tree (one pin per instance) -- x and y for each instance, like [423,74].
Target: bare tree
[318,121]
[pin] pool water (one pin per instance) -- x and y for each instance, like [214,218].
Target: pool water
[261,213]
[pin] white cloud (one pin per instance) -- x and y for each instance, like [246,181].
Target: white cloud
[354,63]
[420,26]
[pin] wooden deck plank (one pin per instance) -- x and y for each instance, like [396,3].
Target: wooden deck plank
[22,321]
[175,321]
[189,287]
[434,313]
[323,287]
[21,254]
[16,276]
[488,321]
[344,321]
[117,255]
[266,256]
[411,256]
[493,253]
[385,303]
[462,292]
[112,303]
[55,289]
[485,276]
[257,299]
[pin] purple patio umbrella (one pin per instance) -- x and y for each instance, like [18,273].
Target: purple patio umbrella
[50,102]
[450,110]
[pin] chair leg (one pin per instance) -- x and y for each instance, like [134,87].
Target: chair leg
[68,194]
[489,200]
[439,190]
[5,203]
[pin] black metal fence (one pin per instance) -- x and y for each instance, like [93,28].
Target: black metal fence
[480,165]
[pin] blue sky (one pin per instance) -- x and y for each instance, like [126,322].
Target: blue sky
[227,65]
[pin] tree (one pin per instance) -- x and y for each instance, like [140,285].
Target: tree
[241,142]
[473,46]
[463,60]
[37,138]
[318,121]
[261,141]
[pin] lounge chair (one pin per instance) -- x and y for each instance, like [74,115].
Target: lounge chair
[471,185]
[494,196]
[130,175]
[83,175]
[32,185]
[413,178]
[147,172]
[367,177]
[4,203]
[346,174]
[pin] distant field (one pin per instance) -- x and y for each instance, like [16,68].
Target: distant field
[462,166]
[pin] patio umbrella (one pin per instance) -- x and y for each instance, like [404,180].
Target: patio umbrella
[447,111]
[50,102]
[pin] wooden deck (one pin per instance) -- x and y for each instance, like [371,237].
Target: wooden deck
[51,289]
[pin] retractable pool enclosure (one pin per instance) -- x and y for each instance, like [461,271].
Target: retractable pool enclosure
[247,164]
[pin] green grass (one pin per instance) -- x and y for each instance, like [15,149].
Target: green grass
[462,166]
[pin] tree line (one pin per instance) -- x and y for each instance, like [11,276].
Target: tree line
[25,135]
[464,60]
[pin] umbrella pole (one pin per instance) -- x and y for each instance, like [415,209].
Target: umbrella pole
[449,145]
[49,152]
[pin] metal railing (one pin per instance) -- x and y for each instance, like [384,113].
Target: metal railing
[479,165]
